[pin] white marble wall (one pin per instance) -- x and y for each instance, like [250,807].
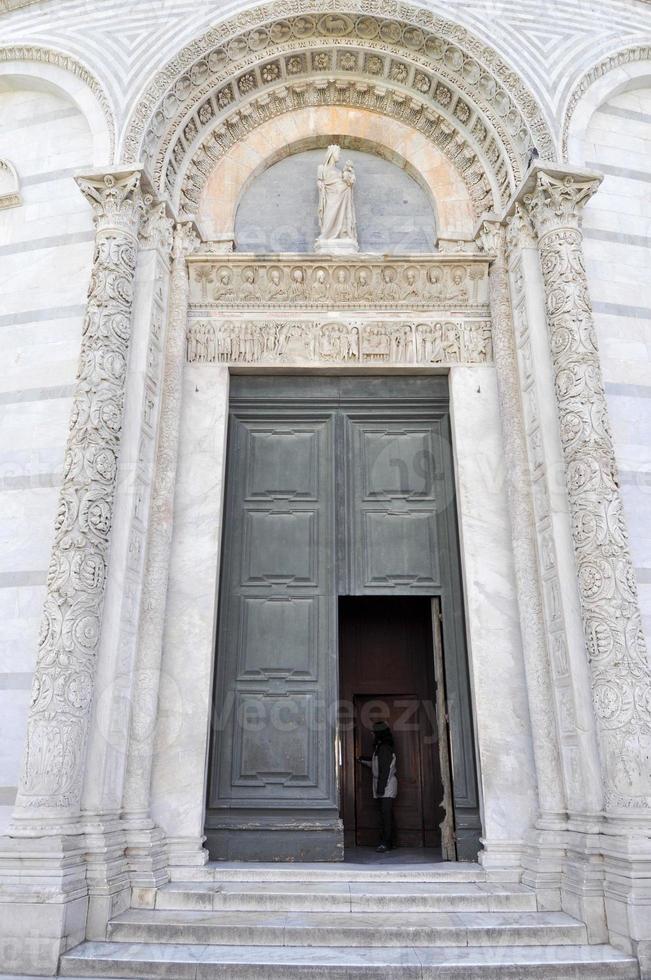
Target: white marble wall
[502,723]
[178,778]
[45,257]
[618,252]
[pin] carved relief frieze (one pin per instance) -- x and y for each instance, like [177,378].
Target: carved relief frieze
[338,341]
[458,283]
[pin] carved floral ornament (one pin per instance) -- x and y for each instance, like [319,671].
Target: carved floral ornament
[407,49]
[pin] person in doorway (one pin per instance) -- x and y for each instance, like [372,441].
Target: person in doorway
[385,781]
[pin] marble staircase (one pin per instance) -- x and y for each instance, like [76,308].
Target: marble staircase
[342,922]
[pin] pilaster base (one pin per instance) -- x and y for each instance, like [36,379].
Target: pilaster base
[502,860]
[109,888]
[147,860]
[542,861]
[627,890]
[43,901]
[186,852]
[582,890]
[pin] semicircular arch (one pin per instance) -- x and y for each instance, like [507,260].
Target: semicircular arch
[412,54]
[623,70]
[391,139]
[68,75]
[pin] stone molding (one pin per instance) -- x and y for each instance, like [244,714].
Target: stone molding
[62,694]
[414,35]
[9,186]
[457,282]
[551,797]
[621,673]
[192,164]
[641,52]
[69,64]
[159,540]
[339,341]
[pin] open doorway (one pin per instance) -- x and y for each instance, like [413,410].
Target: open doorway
[391,669]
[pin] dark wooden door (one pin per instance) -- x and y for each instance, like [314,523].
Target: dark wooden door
[386,660]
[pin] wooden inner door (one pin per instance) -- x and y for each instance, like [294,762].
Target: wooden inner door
[386,667]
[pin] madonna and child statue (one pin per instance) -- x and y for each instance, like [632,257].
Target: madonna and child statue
[336,205]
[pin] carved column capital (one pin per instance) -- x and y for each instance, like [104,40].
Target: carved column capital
[116,199]
[520,231]
[491,238]
[557,198]
[185,240]
[157,230]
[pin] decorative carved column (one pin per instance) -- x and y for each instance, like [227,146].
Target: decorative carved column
[48,800]
[616,649]
[144,840]
[545,739]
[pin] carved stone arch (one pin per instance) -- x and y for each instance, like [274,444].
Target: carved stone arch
[621,71]
[413,53]
[9,186]
[76,81]
[473,171]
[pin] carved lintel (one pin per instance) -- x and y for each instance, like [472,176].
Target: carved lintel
[342,341]
[446,283]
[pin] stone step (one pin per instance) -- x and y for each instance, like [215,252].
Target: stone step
[346,896]
[343,871]
[346,929]
[136,962]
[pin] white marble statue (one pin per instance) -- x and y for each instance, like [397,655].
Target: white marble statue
[336,205]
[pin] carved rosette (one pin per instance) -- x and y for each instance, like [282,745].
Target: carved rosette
[621,674]
[150,645]
[64,677]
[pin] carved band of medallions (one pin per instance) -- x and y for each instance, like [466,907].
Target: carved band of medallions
[196,163]
[240,54]
[621,673]
[452,283]
[64,676]
[389,342]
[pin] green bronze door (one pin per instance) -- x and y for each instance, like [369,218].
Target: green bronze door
[335,486]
